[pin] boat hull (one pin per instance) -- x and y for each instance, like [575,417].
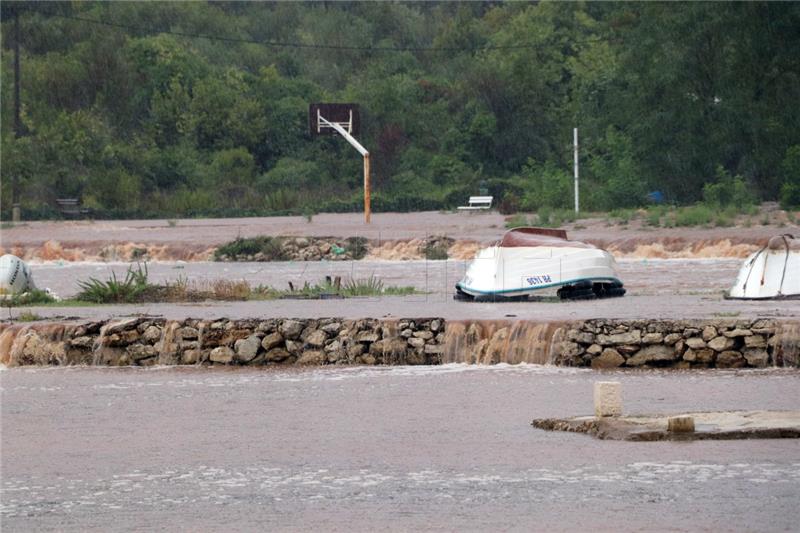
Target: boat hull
[521,271]
[772,272]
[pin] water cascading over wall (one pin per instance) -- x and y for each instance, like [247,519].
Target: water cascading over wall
[501,341]
[598,343]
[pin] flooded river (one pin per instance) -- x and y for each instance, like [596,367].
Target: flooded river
[648,276]
[396,448]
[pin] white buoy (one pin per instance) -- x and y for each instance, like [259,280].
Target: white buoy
[15,275]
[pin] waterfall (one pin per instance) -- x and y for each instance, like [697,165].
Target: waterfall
[501,341]
[786,350]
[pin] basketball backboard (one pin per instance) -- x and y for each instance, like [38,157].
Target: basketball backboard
[345,115]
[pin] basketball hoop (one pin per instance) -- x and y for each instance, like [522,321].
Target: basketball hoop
[330,119]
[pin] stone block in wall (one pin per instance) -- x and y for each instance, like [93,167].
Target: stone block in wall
[756,357]
[721,344]
[755,341]
[141,351]
[291,329]
[271,341]
[628,337]
[695,343]
[316,339]
[312,357]
[277,355]
[152,334]
[703,355]
[367,336]
[709,332]
[738,332]
[730,359]
[594,349]
[672,338]
[221,354]
[610,358]
[655,353]
[247,349]
[652,338]
[191,357]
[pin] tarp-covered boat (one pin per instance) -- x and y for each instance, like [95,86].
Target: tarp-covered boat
[771,272]
[527,260]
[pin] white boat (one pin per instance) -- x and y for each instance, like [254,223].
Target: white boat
[15,276]
[527,260]
[771,272]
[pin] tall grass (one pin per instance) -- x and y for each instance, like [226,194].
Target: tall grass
[113,290]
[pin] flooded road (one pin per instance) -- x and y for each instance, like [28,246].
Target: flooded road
[397,448]
[648,276]
[660,288]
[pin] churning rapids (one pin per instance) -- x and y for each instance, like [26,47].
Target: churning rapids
[398,448]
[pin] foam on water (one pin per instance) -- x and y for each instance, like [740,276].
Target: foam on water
[267,483]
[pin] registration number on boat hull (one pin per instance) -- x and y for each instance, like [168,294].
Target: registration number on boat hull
[538,280]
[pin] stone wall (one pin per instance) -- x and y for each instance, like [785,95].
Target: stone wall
[150,341]
[430,341]
[675,344]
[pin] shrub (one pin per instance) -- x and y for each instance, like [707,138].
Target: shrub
[129,290]
[357,247]
[517,221]
[271,247]
[727,190]
[790,169]
[435,251]
[696,215]
[33,297]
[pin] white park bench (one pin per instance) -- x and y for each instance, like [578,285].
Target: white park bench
[477,202]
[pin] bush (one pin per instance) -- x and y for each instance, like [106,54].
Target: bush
[517,221]
[696,215]
[36,296]
[727,191]
[435,251]
[271,247]
[357,247]
[790,195]
[129,290]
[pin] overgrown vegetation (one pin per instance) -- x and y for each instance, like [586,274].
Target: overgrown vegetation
[138,116]
[435,251]
[270,247]
[136,288]
[113,290]
[34,297]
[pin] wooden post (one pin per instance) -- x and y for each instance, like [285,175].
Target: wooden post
[367,208]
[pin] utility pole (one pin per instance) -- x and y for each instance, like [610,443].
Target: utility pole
[575,142]
[15,214]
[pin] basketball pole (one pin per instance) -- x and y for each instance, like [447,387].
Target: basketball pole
[363,151]
[367,207]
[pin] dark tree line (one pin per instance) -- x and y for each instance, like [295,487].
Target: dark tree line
[146,115]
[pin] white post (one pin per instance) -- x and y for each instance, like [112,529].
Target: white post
[575,140]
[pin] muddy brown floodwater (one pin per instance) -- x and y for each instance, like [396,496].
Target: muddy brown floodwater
[669,288]
[365,449]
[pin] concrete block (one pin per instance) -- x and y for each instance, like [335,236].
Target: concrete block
[607,398]
[680,424]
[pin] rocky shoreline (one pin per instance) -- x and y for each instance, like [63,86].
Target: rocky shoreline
[598,344]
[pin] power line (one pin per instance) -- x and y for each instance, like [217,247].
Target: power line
[280,44]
